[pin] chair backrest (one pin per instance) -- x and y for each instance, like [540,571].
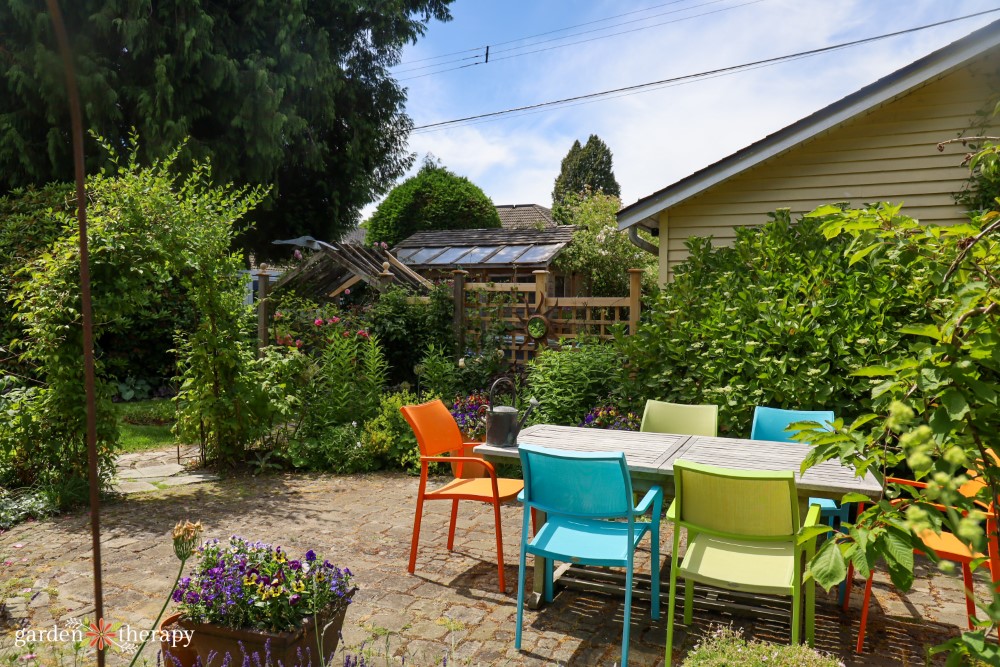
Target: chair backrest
[434,427]
[581,484]
[662,417]
[770,423]
[744,504]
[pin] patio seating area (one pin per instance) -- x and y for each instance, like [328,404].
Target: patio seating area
[451,608]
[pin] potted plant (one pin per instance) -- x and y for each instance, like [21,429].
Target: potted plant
[249,597]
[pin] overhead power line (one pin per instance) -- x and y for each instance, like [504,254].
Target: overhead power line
[543,34]
[617,92]
[482,61]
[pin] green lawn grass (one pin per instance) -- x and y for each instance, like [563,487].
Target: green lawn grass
[146,425]
[138,438]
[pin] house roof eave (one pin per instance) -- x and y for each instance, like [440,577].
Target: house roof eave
[919,72]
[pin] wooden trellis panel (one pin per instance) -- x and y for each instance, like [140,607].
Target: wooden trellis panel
[483,304]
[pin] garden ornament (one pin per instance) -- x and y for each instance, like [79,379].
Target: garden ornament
[502,425]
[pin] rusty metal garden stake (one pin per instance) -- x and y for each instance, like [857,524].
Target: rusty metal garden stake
[76,121]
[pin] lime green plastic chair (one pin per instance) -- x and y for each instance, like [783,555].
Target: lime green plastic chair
[662,417]
[587,497]
[741,528]
[772,424]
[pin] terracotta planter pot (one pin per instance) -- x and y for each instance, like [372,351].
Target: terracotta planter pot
[284,647]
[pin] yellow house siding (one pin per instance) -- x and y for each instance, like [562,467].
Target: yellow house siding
[887,154]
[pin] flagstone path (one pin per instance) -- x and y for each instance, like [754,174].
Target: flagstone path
[450,608]
[139,472]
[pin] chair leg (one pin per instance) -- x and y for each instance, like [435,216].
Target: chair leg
[548,591]
[416,522]
[520,590]
[797,607]
[451,527]
[849,584]
[654,569]
[671,602]
[496,515]
[860,648]
[628,614]
[970,603]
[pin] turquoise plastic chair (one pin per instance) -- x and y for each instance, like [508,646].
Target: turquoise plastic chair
[591,520]
[771,424]
[741,535]
[663,417]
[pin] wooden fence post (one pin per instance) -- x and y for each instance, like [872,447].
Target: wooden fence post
[541,288]
[458,297]
[263,286]
[634,298]
[385,278]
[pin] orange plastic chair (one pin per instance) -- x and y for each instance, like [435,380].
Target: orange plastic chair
[437,435]
[947,547]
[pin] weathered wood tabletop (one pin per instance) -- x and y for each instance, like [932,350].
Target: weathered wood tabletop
[651,456]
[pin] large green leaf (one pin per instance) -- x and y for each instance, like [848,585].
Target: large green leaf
[873,371]
[864,252]
[828,567]
[955,403]
[928,330]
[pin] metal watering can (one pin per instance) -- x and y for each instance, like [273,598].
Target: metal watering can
[502,425]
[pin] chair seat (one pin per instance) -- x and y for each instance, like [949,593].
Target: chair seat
[949,547]
[742,565]
[480,488]
[604,542]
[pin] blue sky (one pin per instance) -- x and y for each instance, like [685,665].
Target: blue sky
[661,136]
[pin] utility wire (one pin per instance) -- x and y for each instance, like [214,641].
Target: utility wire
[608,27]
[645,27]
[584,41]
[543,34]
[651,85]
[612,96]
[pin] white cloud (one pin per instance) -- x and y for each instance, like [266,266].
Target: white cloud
[659,137]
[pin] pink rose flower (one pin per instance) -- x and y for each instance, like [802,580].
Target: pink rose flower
[318,321]
[298,343]
[347,291]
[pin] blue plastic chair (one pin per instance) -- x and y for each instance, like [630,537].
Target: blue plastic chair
[771,424]
[583,493]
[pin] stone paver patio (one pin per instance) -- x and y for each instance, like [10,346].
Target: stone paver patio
[140,472]
[365,522]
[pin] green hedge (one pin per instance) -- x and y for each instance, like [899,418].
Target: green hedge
[781,318]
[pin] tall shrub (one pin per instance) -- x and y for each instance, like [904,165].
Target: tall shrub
[571,381]
[150,230]
[406,328]
[935,406]
[781,318]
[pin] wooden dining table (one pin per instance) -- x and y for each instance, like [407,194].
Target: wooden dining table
[650,458]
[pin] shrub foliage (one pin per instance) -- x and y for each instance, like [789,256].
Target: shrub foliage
[781,318]
[150,232]
[433,199]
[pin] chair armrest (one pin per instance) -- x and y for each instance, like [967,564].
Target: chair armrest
[812,516]
[672,511]
[653,498]
[906,482]
[473,443]
[467,459]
